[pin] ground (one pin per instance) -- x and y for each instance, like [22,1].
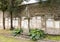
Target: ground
[8,39]
[4,37]
[53,37]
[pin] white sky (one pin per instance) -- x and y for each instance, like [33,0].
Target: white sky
[31,1]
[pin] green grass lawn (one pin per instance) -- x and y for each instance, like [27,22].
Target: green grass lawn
[4,38]
[52,37]
[8,39]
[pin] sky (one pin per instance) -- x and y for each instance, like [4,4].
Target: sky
[31,1]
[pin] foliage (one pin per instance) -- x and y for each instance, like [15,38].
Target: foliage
[17,31]
[14,5]
[3,8]
[3,5]
[27,0]
[36,34]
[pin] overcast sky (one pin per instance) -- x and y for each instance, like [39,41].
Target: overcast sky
[31,1]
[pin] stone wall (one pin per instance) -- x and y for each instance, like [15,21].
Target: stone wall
[35,11]
[1,20]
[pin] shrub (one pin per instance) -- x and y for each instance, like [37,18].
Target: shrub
[17,31]
[36,34]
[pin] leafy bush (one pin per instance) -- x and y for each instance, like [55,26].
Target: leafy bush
[36,34]
[17,31]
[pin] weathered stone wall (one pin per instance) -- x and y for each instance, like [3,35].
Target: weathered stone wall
[1,20]
[53,31]
[36,9]
[33,10]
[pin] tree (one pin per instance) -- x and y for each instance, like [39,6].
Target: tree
[13,7]
[3,7]
[28,17]
[18,13]
[21,8]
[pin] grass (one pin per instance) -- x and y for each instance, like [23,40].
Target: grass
[8,39]
[4,38]
[52,37]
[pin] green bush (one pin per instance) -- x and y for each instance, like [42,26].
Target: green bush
[36,34]
[17,32]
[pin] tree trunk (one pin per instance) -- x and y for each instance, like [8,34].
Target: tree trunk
[20,22]
[29,24]
[3,21]
[11,22]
